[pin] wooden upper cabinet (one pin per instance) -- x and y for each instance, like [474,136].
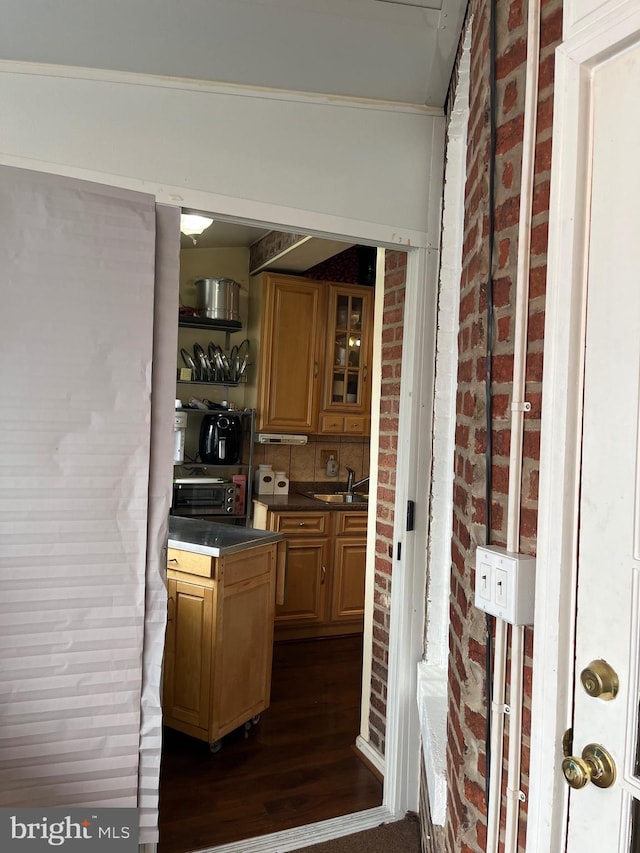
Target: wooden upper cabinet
[292,353]
[346,400]
[314,373]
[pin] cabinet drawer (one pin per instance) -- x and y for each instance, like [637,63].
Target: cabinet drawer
[301,522]
[190,563]
[356,424]
[351,522]
[332,423]
[344,424]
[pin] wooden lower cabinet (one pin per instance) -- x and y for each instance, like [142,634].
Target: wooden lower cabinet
[326,559]
[349,564]
[188,654]
[306,584]
[219,644]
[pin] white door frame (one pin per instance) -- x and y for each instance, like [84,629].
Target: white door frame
[401,781]
[592,40]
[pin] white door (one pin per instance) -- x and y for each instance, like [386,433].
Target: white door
[607,818]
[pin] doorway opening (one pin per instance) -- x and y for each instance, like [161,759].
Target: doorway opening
[329,655]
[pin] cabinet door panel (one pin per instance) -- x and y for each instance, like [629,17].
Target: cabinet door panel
[188,653]
[347,600]
[305,591]
[244,651]
[292,340]
[347,383]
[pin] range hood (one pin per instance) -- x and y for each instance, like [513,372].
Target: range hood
[280,438]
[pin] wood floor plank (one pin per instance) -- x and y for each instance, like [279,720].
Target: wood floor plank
[296,766]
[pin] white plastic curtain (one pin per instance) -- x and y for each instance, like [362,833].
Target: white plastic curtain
[77,280]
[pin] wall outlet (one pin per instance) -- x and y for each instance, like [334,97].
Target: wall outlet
[505,584]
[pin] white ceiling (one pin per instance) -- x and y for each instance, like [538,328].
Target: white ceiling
[390,50]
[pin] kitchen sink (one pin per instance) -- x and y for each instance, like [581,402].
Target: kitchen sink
[338,497]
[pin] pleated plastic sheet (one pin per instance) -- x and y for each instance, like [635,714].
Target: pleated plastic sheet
[77,267]
[165,339]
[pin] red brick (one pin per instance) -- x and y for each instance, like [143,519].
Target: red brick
[508,213]
[504,328]
[545,115]
[514,56]
[531,444]
[541,197]
[510,96]
[551,29]
[536,327]
[528,522]
[501,405]
[502,368]
[537,282]
[546,72]
[543,156]
[509,134]
[501,292]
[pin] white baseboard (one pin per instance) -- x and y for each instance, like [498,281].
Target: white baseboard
[312,833]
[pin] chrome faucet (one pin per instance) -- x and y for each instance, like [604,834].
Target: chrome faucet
[350,475]
[351,486]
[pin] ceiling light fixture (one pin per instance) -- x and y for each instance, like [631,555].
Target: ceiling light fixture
[192,224]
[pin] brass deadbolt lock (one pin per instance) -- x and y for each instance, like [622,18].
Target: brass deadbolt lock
[600,680]
[595,765]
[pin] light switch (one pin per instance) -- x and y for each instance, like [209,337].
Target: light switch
[505,584]
[502,589]
[484,582]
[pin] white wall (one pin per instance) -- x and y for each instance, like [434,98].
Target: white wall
[307,162]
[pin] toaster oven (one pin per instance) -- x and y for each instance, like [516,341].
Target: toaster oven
[204,497]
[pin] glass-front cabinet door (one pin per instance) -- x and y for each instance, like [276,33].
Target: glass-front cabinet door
[347,378]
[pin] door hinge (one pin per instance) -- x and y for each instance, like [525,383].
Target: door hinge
[567,743]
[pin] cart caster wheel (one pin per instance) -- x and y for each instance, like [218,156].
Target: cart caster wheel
[255,720]
[216,746]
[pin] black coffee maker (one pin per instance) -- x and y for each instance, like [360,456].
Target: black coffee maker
[221,439]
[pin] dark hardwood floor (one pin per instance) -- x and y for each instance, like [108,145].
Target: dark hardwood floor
[297,765]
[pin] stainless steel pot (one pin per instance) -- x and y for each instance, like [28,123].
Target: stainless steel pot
[218,298]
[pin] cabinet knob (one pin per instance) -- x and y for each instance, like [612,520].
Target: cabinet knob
[301,524]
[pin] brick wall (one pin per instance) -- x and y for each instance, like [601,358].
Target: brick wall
[394,289]
[270,245]
[431,837]
[466,759]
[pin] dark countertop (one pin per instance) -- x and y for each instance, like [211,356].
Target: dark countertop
[297,501]
[215,539]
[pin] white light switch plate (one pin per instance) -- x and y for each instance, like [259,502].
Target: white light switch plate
[505,584]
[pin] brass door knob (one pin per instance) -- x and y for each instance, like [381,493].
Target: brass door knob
[600,680]
[595,765]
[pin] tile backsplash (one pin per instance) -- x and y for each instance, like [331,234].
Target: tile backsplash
[307,462]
